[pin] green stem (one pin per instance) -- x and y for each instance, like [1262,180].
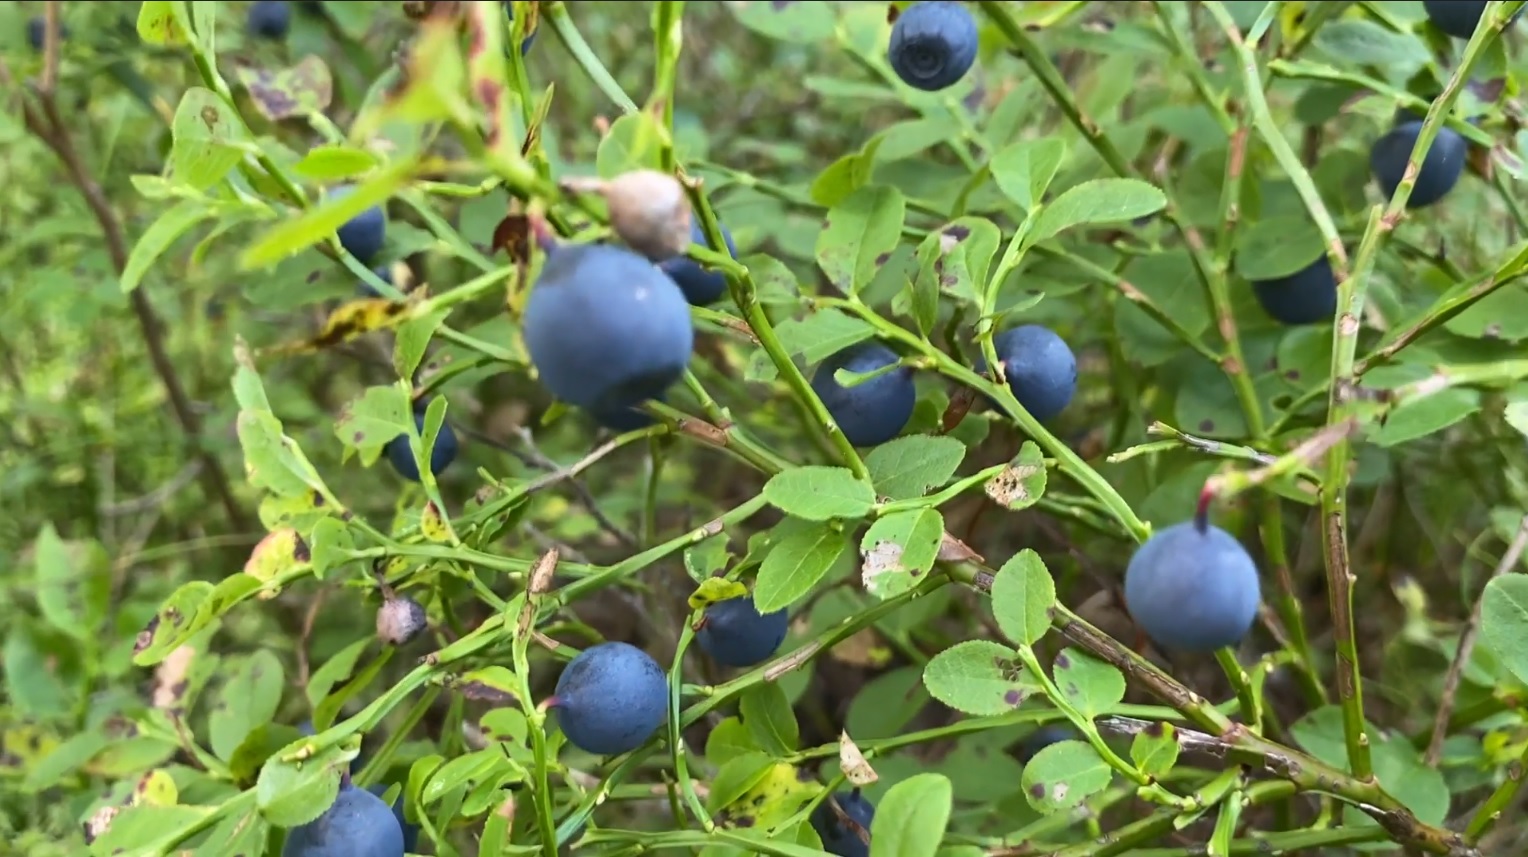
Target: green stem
[556,14]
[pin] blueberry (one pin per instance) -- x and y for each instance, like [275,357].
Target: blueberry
[401,455]
[1041,368]
[1192,588]
[365,289]
[410,831]
[270,19]
[1440,169]
[362,235]
[837,837]
[1457,18]
[873,411]
[1040,739]
[357,824]
[37,31]
[933,44]
[525,43]
[605,328]
[610,698]
[700,286]
[400,620]
[735,634]
[1307,296]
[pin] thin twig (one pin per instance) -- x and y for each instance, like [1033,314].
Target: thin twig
[1466,646]
[45,123]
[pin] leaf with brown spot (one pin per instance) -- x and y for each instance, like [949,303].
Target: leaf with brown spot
[301,90]
[279,554]
[433,525]
[184,613]
[352,320]
[1022,483]
[899,549]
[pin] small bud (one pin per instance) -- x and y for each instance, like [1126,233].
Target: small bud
[399,620]
[650,212]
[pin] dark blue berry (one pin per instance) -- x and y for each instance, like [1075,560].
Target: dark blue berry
[1040,367]
[611,698]
[1440,170]
[870,412]
[363,234]
[1040,739]
[933,44]
[357,824]
[837,836]
[410,831]
[700,286]
[270,19]
[401,455]
[1307,296]
[735,634]
[1192,589]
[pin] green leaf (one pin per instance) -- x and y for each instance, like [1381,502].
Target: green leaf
[1428,415]
[145,830]
[767,713]
[164,23]
[729,740]
[1023,169]
[1096,202]
[1516,410]
[911,819]
[283,93]
[240,833]
[846,175]
[335,162]
[183,614]
[1090,685]
[954,261]
[1277,247]
[822,334]
[736,777]
[249,696]
[1064,775]
[911,466]
[208,138]
[73,582]
[1022,483]
[899,549]
[166,229]
[859,235]
[978,677]
[373,420]
[321,221]
[796,23]
[413,339]
[1355,42]
[1022,596]
[330,545]
[63,760]
[634,142]
[819,493]
[1155,749]
[294,793]
[1504,622]
[803,554]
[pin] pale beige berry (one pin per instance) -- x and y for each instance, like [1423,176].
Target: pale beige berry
[399,620]
[650,212]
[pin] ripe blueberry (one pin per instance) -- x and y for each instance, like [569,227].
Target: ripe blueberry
[357,824]
[700,286]
[1040,739]
[610,698]
[735,634]
[400,620]
[837,836]
[629,418]
[1440,169]
[1457,18]
[362,235]
[933,44]
[605,328]
[1041,369]
[410,831]
[1307,296]
[1192,587]
[401,455]
[270,19]
[872,411]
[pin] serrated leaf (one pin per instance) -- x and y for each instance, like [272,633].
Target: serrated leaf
[1090,685]
[911,466]
[1427,415]
[978,677]
[859,234]
[804,552]
[1022,483]
[334,162]
[735,777]
[899,549]
[819,493]
[279,553]
[1096,202]
[911,818]
[729,740]
[413,339]
[1022,596]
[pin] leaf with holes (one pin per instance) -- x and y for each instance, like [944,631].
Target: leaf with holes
[899,549]
[1022,483]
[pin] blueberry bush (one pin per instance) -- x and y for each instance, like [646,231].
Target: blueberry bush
[1099,428]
